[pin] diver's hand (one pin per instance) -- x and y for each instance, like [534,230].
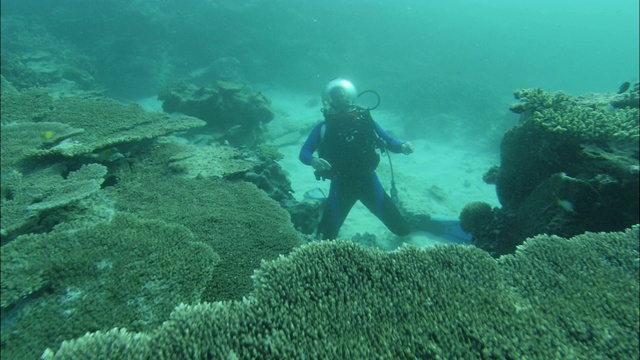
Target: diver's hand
[320,164]
[406,148]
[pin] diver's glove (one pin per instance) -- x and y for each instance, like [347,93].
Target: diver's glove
[323,168]
[406,148]
[320,164]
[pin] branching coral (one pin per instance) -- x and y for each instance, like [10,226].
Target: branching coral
[586,118]
[555,298]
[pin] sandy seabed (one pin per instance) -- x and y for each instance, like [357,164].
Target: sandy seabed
[438,179]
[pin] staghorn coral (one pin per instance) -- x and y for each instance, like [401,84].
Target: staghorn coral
[123,273]
[555,298]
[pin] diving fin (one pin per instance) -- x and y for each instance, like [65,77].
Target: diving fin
[447,228]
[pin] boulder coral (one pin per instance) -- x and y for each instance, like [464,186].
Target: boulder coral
[475,217]
[233,111]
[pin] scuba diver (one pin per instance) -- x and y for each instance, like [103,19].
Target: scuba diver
[346,142]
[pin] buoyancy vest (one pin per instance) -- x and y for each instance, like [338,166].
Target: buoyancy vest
[349,142]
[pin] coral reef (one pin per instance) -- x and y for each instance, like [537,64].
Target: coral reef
[238,220]
[272,179]
[563,206]
[53,202]
[475,217]
[627,99]
[34,202]
[305,215]
[340,300]
[20,139]
[570,166]
[259,167]
[126,273]
[105,122]
[50,151]
[78,185]
[32,56]
[212,160]
[269,177]
[7,86]
[234,112]
[269,153]
[589,117]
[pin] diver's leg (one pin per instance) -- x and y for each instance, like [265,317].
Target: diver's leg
[380,204]
[337,207]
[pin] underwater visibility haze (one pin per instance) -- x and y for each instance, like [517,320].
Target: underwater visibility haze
[147,213]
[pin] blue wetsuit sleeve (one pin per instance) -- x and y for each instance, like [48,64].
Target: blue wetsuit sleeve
[311,145]
[393,144]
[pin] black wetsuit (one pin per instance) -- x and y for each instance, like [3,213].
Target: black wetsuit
[349,142]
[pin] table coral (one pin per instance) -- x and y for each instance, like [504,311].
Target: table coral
[126,272]
[105,122]
[555,298]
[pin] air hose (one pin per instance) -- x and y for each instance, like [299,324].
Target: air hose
[394,190]
[374,93]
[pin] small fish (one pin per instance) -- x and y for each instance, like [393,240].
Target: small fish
[567,206]
[48,134]
[624,87]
